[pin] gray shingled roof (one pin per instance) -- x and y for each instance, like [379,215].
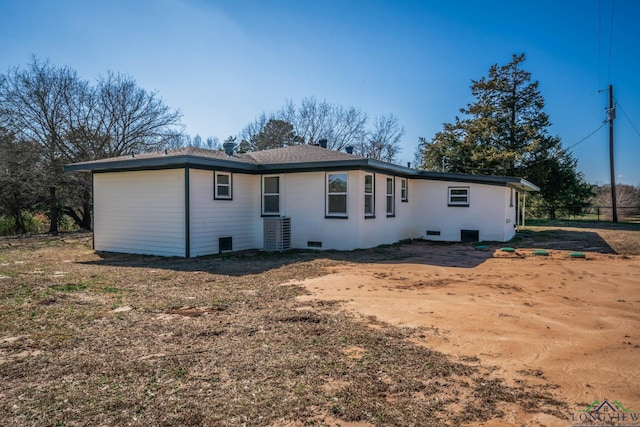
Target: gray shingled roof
[294,158]
[300,154]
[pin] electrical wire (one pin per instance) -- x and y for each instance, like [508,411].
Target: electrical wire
[586,137]
[628,118]
[610,43]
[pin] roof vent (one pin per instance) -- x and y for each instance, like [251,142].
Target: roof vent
[228,148]
[349,149]
[323,143]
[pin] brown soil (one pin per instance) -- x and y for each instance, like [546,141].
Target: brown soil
[571,323]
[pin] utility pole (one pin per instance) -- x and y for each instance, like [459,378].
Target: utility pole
[611,114]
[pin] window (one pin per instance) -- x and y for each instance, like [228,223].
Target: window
[390,198]
[337,195]
[369,208]
[222,186]
[404,190]
[271,195]
[459,196]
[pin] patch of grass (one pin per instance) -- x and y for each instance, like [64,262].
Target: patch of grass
[70,287]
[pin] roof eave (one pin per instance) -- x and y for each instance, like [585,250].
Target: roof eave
[159,162]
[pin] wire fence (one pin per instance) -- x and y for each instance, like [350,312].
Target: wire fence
[603,213]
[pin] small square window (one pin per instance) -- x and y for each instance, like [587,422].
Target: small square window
[459,196]
[222,186]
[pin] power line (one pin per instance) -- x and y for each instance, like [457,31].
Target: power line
[628,118]
[586,137]
[599,43]
[610,43]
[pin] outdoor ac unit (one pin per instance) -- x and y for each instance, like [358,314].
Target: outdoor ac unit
[277,234]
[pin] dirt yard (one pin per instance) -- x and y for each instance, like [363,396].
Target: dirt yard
[572,324]
[412,334]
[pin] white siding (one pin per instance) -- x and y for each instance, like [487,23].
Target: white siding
[487,211]
[238,218]
[383,229]
[140,212]
[303,199]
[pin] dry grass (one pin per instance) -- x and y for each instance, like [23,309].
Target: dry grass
[620,238]
[91,339]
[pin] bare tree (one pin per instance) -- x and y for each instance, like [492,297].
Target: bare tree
[213,143]
[36,105]
[20,177]
[383,143]
[312,121]
[132,118]
[71,120]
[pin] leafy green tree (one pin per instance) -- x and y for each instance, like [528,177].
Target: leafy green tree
[505,132]
[275,134]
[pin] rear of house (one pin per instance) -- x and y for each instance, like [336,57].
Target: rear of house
[194,202]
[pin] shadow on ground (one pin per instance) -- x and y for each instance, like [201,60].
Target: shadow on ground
[256,261]
[563,239]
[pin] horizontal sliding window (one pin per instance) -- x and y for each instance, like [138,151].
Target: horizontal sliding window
[459,196]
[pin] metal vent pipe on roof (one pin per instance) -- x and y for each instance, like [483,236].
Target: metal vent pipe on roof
[228,148]
[323,143]
[349,149]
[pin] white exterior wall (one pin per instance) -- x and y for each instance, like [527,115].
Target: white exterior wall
[302,198]
[510,214]
[238,218]
[140,212]
[488,211]
[383,229]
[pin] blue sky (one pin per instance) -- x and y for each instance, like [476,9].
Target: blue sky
[223,63]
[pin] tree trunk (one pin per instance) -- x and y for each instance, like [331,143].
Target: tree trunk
[53,211]
[86,218]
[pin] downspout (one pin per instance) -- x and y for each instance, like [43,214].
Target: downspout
[93,211]
[187,215]
[524,207]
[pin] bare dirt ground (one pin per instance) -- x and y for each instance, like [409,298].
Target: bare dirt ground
[572,324]
[412,334]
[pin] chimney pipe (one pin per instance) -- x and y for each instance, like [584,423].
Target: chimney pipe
[323,143]
[348,149]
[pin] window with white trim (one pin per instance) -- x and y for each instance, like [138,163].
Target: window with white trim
[404,190]
[369,199]
[271,195]
[459,196]
[222,184]
[391,203]
[337,195]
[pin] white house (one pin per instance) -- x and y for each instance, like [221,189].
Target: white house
[191,202]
